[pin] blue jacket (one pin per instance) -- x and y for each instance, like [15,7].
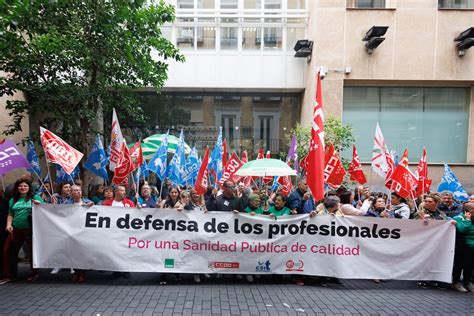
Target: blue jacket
[296,201]
[452,211]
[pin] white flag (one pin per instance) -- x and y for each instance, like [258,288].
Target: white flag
[379,161]
[116,140]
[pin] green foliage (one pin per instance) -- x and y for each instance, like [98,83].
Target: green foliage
[74,58]
[335,133]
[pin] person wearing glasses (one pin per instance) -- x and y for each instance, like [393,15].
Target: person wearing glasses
[227,201]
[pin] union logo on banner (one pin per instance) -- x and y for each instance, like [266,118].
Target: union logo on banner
[60,152]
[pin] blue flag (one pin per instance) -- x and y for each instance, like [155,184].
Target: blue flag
[450,182]
[215,160]
[33,158]
[177,169]
[46,179]
[97,160]
[275,184]
[144,170]
[192,167]
[157,163]
[62,176]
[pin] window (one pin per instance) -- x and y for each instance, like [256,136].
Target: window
[293,34]
[456,4]
[206,4]
[233,98]
[228,38]
[266,128]
[251,38]
[366,3]
[272,4]
[185,38]
[228,123]
[229,4]
[252,4]
[185,4]
[410,117]
[296,4]
[272,38]
[206,38]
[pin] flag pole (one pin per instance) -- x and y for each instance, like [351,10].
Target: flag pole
[161,187]
[49,176]
[423,186]
[41,181]
[414,201]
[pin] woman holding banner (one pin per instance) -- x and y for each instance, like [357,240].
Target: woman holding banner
[196,202]
[347,199]
[19,227]
[279,209]
[172,199]
[63,195]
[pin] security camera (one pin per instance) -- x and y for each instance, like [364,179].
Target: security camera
[322,72]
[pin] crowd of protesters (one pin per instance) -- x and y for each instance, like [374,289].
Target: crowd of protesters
[17,199]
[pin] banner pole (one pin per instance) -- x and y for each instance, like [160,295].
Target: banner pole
[3,185]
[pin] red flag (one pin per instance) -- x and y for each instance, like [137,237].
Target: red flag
[333,171]
[304,162]
[136,154]
[315,168]
[355,169]
[424,183]
[230,169]
[124,167]
[260,153]
[201,181]
[116,141]
[224,152]
[285,181]
[390,170]
[58,151]
[403,180]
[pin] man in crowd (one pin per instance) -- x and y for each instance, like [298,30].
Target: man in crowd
[448,205]
[227,201]
[430,209]
[298,197]
[119,198]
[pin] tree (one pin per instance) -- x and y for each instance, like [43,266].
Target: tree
[335,133]
[73,59]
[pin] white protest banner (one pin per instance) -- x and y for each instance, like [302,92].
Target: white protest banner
[156,240]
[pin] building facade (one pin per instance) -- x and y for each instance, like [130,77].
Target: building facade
[416,84]
[241,73]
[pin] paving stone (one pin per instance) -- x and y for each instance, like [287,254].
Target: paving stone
[56,295]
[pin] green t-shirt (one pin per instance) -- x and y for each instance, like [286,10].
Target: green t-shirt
[258,210]
[21,210]
[284,211]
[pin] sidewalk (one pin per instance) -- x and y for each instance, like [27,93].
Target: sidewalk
[142,294]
